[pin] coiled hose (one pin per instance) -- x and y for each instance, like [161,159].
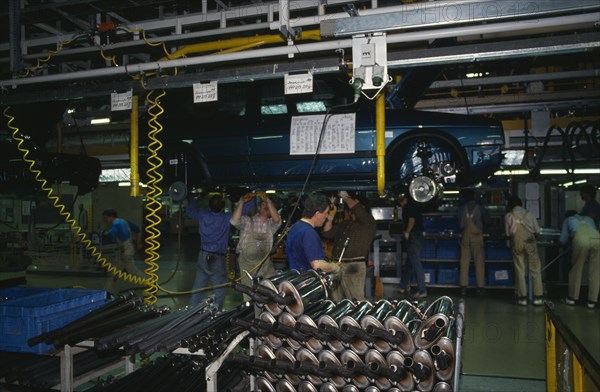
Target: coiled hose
[20,139]
[153,205]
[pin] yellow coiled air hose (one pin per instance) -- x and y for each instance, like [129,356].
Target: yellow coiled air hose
[153,205]
[20,139]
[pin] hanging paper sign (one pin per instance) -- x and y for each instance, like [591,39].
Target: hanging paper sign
[205,92]
[338,138]
[120,101]
[298,84]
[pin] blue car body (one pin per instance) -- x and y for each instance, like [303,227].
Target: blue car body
[248,146]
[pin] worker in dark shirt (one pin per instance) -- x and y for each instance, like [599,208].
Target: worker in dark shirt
[412,235]
[591,207]
[359,230]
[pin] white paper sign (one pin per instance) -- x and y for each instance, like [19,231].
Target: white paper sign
[501,275]
[206,92]
[339,136]
[120,101]
[298,84]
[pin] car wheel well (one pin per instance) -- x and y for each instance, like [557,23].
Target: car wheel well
[394,150]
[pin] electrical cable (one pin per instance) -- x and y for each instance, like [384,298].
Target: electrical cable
[153,206]
[19,137]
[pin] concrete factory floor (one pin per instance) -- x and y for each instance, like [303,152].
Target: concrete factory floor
[504,344]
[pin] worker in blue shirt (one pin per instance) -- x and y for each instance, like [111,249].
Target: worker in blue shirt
[213,227]
[121,233]
[586,246]
[304,247]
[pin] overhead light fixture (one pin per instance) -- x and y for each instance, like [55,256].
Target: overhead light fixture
[564,171]
[518,172]
[70,111]
[451,192]
[103,120]
[125,183]
[580,182]
[270,191]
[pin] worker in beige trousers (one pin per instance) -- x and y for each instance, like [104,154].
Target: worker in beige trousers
[472,216]
[521,226]
[586,247]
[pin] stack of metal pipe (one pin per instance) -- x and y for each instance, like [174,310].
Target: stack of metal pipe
[174,373]
[319,345]
[201,327]
[122,311]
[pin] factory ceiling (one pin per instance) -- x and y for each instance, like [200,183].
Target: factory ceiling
[496,57]
[80,48]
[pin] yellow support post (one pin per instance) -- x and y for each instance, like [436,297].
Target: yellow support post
[380,141]
[550,355]
[133,148]
[577,373]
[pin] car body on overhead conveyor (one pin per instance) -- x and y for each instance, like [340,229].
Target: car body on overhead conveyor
[259,140]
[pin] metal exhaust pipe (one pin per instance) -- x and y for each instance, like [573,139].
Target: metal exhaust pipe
[282,355]
[443,358]
[442,387]
[443,305]
[328,387]
[404,341]
[350,388]
[312,343]
[271,284]
[342,308]
[431,330]
[350,360]
[307,386]
[304,290]
[264,351]
[421,366]
[263,384]
[304,355]
[284,385]
[378,365]
[395,361]
[373,318]
[327,359]
[272,340]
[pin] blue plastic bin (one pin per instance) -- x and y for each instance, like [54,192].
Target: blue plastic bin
[500,275]
[428,249]
[24,318]
[18,292]
[448,223]
[428,271]
[448,249]
[430,224]
[448,273]
[497,250]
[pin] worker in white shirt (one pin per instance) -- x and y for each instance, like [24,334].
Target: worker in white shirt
[521,226]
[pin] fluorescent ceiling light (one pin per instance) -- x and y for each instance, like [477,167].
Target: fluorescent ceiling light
[125,183]
[580,181]
[103,120]
[270,191]
[451,192]
[511,172]
[564,171]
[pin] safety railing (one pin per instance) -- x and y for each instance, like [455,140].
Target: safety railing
[569,365]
